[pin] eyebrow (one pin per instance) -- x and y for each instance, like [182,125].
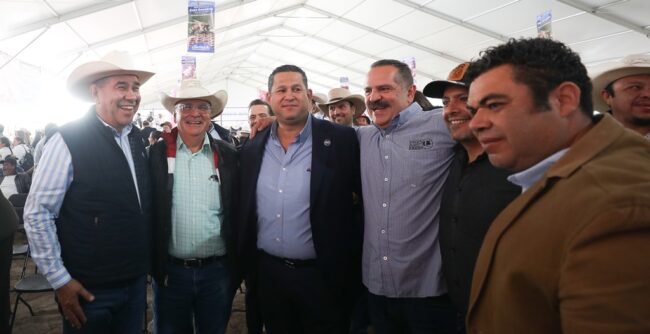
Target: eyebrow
[488,97]
[137,84]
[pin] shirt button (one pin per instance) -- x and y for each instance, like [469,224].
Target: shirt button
[284,169]
[387,136]
[277,239]
[280,191]
[278,215]
[385,258]
[384,204]
[385,179]
[383,231]
[386,157]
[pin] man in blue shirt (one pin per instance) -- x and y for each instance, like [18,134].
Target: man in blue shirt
[298,237]
[194,183]
[87,216]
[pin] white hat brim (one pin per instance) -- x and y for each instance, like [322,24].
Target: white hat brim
[217,100]
[83,76]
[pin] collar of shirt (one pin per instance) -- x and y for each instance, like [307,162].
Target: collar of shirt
[400,118]
[180,145]
[528,177]
[117,134]
[301,137]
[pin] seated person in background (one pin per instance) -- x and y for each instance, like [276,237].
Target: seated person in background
[12,182]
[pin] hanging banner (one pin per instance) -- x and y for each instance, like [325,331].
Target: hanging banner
[200,27]
[345,82]
[544,24]
[410,61]
[188,67]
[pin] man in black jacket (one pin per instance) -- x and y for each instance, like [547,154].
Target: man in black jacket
[298,237]
[195,184]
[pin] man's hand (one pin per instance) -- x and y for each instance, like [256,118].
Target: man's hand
[68,297]
[261,124]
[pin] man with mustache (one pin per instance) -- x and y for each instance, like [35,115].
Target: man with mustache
[569,255]
[623,89]
[474,193]
[195,187]
[87,216]
[405,156]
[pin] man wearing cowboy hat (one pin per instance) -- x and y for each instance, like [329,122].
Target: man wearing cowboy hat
[87,216]
[315,110]
[343,107]
[474,193]
[195,182]
[623,89]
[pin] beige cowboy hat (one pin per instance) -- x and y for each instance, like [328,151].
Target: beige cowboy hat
[342,94]
[607,73]
[192,89]
[114,63]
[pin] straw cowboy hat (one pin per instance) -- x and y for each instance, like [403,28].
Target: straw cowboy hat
[607,73]
[192,89]
[341,94]
[114,63]
[456,77]
[319,97]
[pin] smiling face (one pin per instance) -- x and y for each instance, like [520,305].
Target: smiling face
[289,98]
[630,102]
[386,95]
[193,118]
[341,112]
[514,132]
[456,114]
[117,99]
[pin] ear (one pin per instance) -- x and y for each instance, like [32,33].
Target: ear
[606,97]
[309,94]
[566,97]
[94,92]
[411,93]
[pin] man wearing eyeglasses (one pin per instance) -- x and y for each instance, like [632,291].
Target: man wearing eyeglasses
[194,180]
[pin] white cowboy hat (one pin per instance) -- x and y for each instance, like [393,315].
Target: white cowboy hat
[342,94]
[114,63]
[319,97]
[607,73]
[192,89]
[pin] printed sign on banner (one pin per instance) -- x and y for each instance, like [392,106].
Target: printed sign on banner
[345,82]
[200,27]
[188,64]
[544,24]
[410,61]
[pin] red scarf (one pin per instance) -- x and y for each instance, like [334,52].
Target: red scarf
[170,139]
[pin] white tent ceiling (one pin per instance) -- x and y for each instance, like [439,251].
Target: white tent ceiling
[327,38]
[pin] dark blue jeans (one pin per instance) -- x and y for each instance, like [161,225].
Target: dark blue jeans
[114,310]
[193,300]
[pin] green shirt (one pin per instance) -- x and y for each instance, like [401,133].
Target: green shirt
[196,205]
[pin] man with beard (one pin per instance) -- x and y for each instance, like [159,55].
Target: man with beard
[623,89]
[87,216]
[405,156]
[474,193]
[343,107]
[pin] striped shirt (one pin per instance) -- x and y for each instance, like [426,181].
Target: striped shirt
[196,204]
[403,169]
[51,181]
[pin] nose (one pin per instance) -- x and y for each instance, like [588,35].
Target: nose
[373,96]
[479,122]
[131,94]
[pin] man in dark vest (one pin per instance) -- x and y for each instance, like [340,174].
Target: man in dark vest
[87,216]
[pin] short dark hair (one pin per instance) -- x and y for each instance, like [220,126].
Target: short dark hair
[287,68]
[260,102]
[166,123]
[19,139]
[145,123]
[155,134]
[5,141]
[404,74]
[541,64]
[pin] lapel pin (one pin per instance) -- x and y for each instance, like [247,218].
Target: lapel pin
[327,142]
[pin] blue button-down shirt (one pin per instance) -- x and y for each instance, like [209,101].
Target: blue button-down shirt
[283,188]
[403,169]
[526,178]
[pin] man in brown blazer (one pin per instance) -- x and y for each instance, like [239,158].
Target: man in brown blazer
[570,254]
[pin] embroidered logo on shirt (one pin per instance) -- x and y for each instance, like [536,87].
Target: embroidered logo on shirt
[420,144]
